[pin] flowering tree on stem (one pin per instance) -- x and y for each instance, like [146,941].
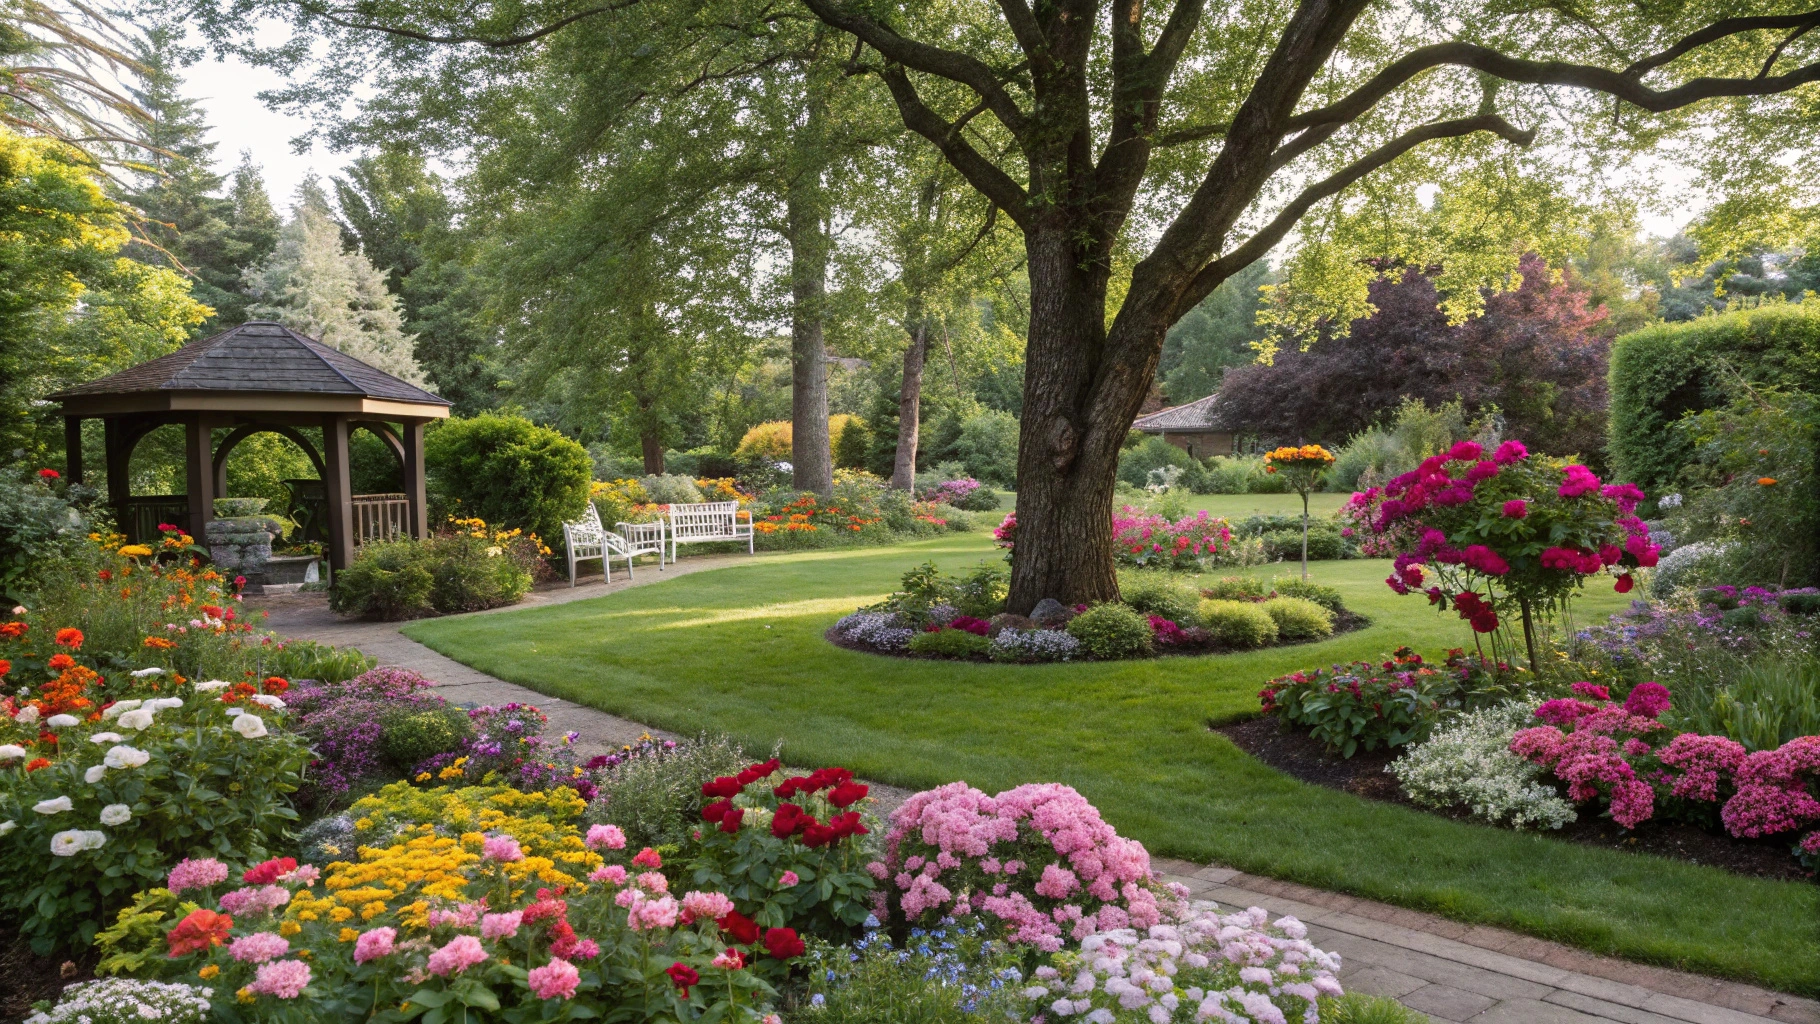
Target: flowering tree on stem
[1509,529]
[1303,468]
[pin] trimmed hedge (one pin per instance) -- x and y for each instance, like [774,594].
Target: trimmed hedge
[1665,371]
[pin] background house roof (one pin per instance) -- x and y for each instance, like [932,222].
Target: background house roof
[1195,415]
[257,356]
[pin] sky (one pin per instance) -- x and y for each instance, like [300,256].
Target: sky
[228,90]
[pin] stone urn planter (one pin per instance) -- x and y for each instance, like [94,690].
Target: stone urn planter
[242,545]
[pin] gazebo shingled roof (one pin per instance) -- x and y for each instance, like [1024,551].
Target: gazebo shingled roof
[259,376]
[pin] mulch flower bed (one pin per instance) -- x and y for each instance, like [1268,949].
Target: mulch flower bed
[26,977]
[1344,622]
[1295,753]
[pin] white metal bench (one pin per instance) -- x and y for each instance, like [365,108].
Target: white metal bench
[709,522]
[586,539]
[644,539]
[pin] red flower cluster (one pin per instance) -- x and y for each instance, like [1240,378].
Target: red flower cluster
[270,871]
[969,624]
[1475,610]
[48,473]
[790,820]
[12,630]
[682,976]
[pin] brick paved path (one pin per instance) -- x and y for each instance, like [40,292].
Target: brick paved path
[1450,971]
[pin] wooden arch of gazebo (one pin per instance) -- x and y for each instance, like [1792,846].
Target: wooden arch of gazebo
[260,376]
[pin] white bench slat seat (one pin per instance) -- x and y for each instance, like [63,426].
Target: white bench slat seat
[708,522]
[586,539]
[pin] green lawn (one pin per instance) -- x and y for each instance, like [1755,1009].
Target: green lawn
[740,650]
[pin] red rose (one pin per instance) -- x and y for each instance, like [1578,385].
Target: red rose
[1623,586]
[725,786]
[716,810]
[682,976]
[848,824]
[743,929]
[848,793]
[818,836]
[783,944]
[788,788]
[730,821]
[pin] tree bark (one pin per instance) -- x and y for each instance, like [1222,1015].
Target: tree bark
[652,444]
[1077,410]
[811,461]
[910,398]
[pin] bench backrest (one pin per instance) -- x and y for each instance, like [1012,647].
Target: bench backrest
[709,518]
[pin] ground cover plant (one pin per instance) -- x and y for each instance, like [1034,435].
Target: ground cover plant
[1193,794]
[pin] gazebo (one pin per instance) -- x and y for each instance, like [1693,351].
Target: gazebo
[260,376]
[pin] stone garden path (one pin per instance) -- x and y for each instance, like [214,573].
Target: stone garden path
[1450,971]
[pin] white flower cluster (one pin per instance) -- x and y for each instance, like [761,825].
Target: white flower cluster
[1203,966]
[127,1001]
[875,630]
[1468,761]
[1033,645]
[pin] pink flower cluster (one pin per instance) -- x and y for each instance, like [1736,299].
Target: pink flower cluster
[285,979]
[461,953]
[262,899]
[196,874]
[374,944]
[259,947]
[554,980]
[940,856]
[1146,539]
[1773,791]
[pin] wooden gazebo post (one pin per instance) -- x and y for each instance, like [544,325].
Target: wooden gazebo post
[339,488]
[199,472]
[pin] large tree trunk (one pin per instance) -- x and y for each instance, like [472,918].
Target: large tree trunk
[910,398]
[812,463]
[1076,414]
[652,443]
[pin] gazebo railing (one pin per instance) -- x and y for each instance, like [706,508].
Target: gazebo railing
[379,517]
[139,517]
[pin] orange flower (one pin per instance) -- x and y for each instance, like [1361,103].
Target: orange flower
[36,763]
[158,643]
[5,666]
[59,662]
[276,685]
[1767,481]
[13,630]
[200,930]
[70,637]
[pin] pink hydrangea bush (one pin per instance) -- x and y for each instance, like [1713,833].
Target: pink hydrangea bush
[1621,753]
[1037,858]
[1197,965]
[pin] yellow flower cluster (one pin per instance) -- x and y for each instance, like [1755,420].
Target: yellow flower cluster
[1306,453]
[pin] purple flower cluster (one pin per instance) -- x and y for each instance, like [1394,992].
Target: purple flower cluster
[342,722]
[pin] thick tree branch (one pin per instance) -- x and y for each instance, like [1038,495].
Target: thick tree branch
[491,42]
[1186,135]
[993,183]
[954,66]
[1719,30]
[1261,243]
[1621,84]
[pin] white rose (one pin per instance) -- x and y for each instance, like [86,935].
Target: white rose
[250,726]
[54,806]
[116,814]
[26,715]
[212,685]
[138,718]
[92,840]
[95,774]
[68,844]
[125,757]
[62,721]
[105,737]
[118,708]
[275,703]
[163,702]
[7,826]
[141,673]
[11,751]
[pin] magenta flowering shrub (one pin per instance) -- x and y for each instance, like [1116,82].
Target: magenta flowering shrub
[1037,859]
[343,723]
[1511,529]
[1147,540]
[1620,753]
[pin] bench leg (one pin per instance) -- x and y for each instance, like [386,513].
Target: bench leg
[571,569]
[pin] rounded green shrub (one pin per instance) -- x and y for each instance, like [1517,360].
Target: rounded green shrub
[949,643]
[1298,618]
[410,735]
[1111,631]
[387,580]
[1357,1008]
[1236,588]
[466,577]
[1238,623]
[1296,586]
[1156,593]
[508,471]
